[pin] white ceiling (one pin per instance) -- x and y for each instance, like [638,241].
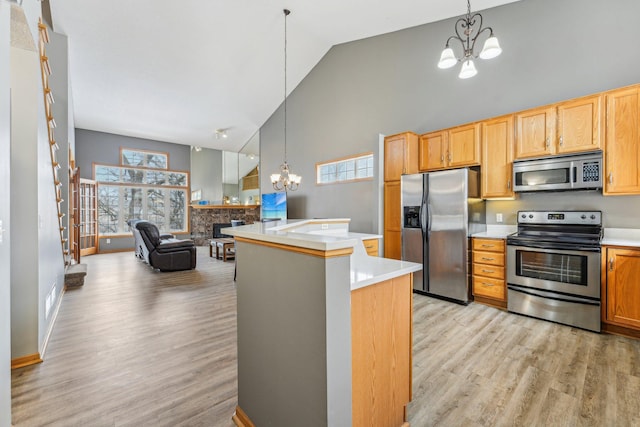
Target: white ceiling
[176,71]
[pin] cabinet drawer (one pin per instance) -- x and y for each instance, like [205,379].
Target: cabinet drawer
[493,258]
[371,246]
[486,287]
[485,270]
[491,245]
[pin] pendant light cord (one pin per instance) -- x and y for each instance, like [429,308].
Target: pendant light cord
[286,13]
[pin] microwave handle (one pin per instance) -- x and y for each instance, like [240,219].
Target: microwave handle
[575,173]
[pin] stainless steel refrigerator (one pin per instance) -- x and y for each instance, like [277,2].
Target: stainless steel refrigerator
[440,211]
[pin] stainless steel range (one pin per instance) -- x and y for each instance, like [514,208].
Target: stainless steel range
[553,267]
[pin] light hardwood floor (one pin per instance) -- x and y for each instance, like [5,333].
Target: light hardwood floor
[134,347]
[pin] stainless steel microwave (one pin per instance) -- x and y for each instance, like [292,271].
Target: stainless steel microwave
[559,173]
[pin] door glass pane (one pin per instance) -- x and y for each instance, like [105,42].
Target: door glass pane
[551,176]
[555,267]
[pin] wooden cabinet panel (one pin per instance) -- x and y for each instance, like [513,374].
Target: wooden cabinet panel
[579,125]
[489,271]
[488,287]
[381,338]
[392,220]
[371,246]
[623,287]
[497,157]
[496,272]
[535,132]
[400,155]
[491,258]
[463,146]
[432,148]
[492,245]
[622,146]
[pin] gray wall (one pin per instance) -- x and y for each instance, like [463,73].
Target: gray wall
[206,174]
[37,263]
[104,148]
[99,147]
[552,50]
[5,249]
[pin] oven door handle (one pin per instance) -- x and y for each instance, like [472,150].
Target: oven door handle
[557,247]
[553,295]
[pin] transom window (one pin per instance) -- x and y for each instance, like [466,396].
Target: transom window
[151,192]
[354,168]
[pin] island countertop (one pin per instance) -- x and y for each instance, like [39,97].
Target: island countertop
[328,235]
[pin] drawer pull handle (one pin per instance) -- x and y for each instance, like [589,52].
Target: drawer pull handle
[487,246]
[488,259]
[487,284]
[488,271]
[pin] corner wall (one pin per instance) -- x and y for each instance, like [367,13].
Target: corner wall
[5,188]
[552,51]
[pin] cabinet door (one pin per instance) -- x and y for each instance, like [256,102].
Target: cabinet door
[497,157]
[432,151]
[623,287]
[622,149]
[535,133]
[393,157]
[579,124]
[464,146]
[392,220]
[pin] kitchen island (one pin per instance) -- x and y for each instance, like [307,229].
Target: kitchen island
[324,330]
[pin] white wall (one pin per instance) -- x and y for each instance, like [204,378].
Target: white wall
[5,252]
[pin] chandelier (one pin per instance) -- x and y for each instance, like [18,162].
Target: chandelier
[468,28]
[285,180]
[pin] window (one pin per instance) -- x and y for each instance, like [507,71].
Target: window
[151,192]
[355,168]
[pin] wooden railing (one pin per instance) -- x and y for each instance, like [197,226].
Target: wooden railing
[45,68]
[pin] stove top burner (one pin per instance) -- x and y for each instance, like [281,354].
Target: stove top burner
[558,229]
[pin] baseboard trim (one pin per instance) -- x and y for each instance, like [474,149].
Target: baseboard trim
[241,419]
[502,305]
[21,362]
[620,330]
[54,317]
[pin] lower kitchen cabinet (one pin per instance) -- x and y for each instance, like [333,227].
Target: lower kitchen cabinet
[489,272]
[371,246]
[621,289]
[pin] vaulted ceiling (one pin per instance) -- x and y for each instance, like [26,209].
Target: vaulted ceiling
[176,71]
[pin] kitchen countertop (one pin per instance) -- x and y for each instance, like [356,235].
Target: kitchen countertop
[495,231]
[328,235]
[621,237]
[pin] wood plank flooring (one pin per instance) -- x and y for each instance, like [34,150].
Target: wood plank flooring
[134,347]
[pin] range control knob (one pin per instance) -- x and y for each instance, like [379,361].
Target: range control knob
[531,216]
[583,216]
[593,216]
[524,216]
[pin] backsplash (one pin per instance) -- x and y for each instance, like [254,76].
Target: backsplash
[617,211]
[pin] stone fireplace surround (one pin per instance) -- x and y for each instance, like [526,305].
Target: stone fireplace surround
[204,217]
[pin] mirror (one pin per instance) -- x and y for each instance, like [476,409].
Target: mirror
[225,177]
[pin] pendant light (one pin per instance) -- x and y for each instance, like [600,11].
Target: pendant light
[285,180]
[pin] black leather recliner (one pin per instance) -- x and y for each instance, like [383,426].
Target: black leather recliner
[141,250]
[166,254]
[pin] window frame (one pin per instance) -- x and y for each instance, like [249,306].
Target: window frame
[166,188]
[144,152]
[345,160]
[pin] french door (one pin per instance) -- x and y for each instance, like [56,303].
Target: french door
[88,221]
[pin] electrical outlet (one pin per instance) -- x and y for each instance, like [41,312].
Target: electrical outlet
[498,217]
[108,241]
[325,226]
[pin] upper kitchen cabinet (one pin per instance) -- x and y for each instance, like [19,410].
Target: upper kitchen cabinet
[451,148]
[567,127]
[580,125]
[497,158]
[400,155]
[535,132]
[622,144]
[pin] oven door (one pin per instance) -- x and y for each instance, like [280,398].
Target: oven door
[557,270]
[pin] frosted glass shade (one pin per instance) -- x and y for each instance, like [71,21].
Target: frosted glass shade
[491,48]
[275,177]
[468,69]
[447,59]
